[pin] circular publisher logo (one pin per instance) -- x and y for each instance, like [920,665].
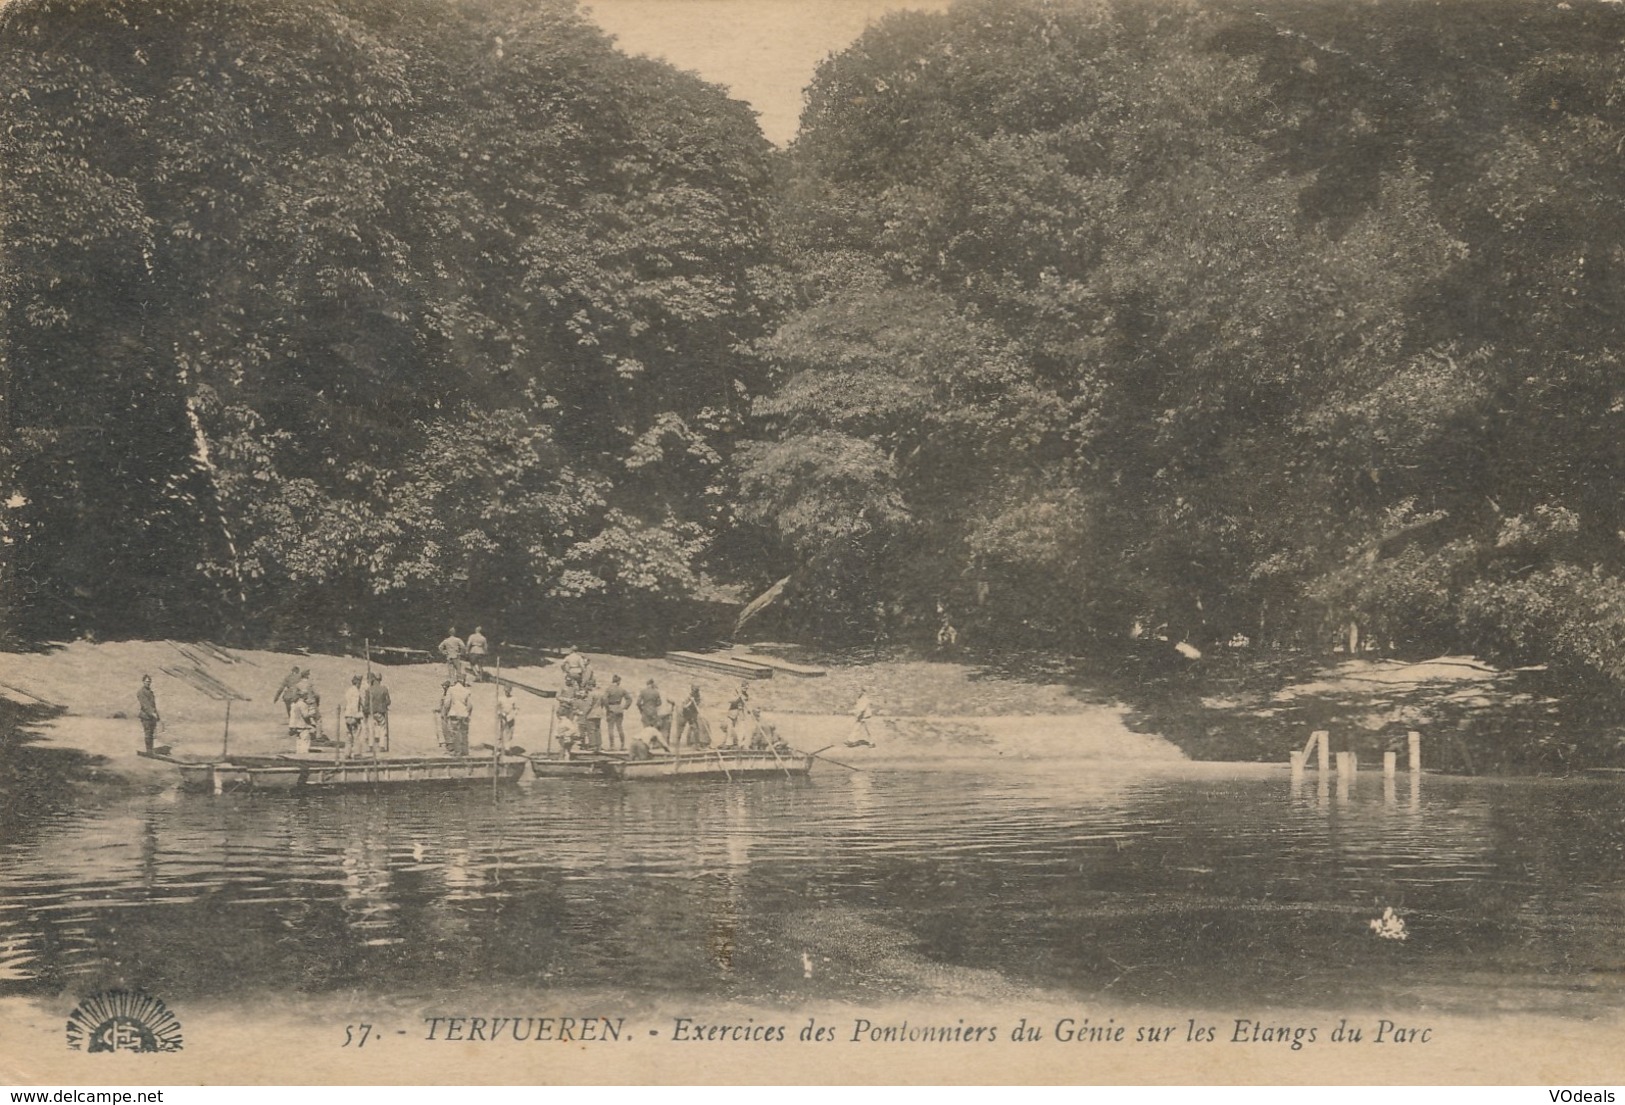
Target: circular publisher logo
[119,1020]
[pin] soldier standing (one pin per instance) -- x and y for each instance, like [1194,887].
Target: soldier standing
[616,701]
[478,649]
[507,715]
[453,649]
[459,707]
[351,712]
[649,705]
[147,710]
[574,667]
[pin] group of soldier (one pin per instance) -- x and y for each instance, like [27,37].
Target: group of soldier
[465,657]
[592,719]
[364,711]
[586,717]
[465,664]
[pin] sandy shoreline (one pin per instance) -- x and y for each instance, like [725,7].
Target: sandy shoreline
[94,687]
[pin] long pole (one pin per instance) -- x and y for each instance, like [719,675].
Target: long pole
[225,738]
[778,761]
[496,749]
[366,681]
[837,763]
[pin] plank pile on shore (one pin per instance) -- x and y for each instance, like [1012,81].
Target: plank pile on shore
[748,666]
[727,665]
[805,671]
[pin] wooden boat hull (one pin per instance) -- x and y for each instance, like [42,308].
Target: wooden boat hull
[271,773]
[730,764]
[580,766]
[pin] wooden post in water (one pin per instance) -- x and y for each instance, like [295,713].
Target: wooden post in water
[1414,740]
[1390,763]
[1296,758]
[1345,773]
[1324,739]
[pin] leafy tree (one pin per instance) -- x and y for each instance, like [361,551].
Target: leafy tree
[1306,307]
[424,301]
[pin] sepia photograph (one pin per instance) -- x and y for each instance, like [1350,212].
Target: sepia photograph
[812,542]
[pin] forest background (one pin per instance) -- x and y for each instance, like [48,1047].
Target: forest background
[1072,323]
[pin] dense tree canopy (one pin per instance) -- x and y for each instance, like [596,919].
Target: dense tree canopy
[314,303]
[1064,317]
[1253,322]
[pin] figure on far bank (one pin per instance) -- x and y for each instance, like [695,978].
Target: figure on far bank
[578,673]
[453,649]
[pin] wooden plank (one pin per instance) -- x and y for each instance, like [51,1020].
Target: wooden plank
[9,691]
[384,654]
[528,656]
[207,684]
[225,655]
[806,671]
[192,657]
[504,681]
[727,665]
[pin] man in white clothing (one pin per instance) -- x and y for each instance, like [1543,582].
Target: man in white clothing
[459,708]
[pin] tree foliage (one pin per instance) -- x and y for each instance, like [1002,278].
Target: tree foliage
[318,301]
[1304,315]
[1061,317]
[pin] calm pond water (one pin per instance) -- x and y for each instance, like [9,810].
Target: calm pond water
[1179,885]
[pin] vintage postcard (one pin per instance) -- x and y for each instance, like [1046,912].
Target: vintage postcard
[812,541]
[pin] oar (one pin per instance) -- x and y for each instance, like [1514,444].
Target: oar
[827,760]
[780,762]
[368,738]
[723,764]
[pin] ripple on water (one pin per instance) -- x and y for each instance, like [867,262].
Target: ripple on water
[1182,888]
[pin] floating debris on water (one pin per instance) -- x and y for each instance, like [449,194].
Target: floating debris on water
[1390,926]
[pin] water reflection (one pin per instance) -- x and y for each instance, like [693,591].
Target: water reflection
[1184,885]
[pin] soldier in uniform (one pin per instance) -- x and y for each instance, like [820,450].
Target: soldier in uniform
[453,649]
[147,710]
[478,649]
[616,701]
